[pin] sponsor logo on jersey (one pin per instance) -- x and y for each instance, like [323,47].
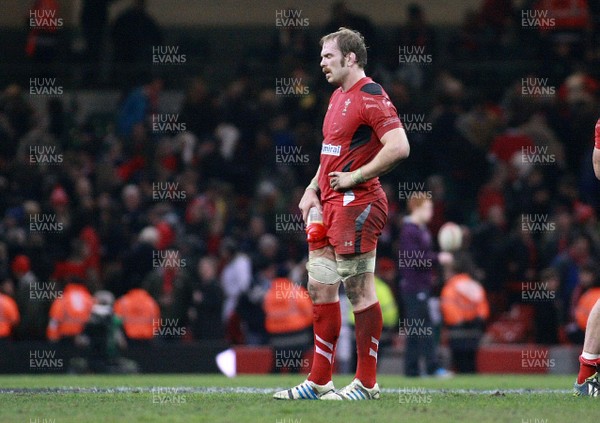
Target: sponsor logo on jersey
[331,150]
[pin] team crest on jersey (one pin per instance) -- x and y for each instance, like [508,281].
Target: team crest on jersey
[346,104]
[331,150]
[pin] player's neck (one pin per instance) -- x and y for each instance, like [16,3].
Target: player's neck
[353,78]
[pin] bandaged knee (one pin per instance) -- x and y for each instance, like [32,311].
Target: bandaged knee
[364,263]
[323,270]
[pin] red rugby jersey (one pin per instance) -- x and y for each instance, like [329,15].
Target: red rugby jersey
[354,123]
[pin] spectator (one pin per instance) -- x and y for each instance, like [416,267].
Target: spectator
[467,44]
[44,23]
[34,312]
[135,27]
[416,37]
[235,276]
[169,283]
[569,265]
[138,261]
[250,306]
[199,109]
[93,21]
[465,310]
[206,308]
[416,284]
[342,16]
[489,248]
[417,32]
[548,308]
[137,109]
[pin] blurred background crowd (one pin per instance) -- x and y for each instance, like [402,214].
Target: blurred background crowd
[203,218]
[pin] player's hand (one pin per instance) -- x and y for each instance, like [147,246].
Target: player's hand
[340,181]
[308,200]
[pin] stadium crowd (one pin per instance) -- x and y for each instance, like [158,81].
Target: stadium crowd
[205,219]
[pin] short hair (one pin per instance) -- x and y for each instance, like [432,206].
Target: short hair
[349,41]
[416,200]
[463,263]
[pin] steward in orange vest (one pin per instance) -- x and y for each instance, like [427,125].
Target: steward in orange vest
[9,315]
[139,313]
[585,305]
[69,313]
[288,320]
[464,309]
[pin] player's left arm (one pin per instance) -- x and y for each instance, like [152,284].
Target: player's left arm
[395,149]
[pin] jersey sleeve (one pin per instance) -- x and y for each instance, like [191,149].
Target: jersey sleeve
[378,111]
[597,135]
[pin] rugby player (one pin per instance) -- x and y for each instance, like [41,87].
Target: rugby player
[587,383]
[363,138]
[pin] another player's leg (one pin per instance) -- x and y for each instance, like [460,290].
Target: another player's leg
[587,383]
[357,272]
[323,286]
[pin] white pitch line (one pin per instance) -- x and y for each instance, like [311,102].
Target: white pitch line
[266,391]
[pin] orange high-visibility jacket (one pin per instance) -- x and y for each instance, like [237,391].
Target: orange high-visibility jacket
[287,306]
[463,300]
[585,305]
[70,313]
[139,312]
[9,315]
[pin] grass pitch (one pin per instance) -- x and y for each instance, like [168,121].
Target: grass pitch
[214,398]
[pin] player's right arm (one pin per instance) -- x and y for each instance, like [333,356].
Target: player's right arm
[596,161]
[311,197]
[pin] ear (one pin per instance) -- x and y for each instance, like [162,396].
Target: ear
[351,58]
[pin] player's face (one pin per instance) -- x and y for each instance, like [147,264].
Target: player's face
[333,64]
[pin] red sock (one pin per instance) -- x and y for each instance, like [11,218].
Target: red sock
[327,321]
[586,368]
[369,323]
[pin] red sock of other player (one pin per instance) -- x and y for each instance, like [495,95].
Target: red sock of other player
[369,323]
[587,367]
[327,321]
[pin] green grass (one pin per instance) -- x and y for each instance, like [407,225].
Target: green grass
[139,405]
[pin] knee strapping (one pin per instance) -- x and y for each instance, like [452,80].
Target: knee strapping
[323,270]
[364,263]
